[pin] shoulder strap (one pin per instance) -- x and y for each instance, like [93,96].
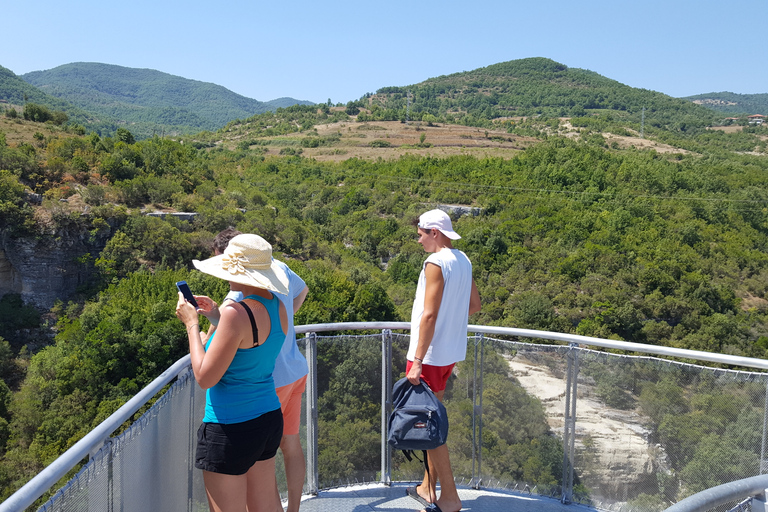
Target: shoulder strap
[254,328]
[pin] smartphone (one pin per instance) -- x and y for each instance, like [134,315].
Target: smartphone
[184,289]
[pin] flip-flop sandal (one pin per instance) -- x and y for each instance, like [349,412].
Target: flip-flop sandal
[413,493]
[432,507]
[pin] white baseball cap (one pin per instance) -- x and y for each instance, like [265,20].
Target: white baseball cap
[438,219]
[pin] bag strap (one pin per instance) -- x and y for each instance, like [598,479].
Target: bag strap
[254,328]
[410,455]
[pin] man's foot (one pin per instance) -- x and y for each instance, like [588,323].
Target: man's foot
[434,507]
[413,492]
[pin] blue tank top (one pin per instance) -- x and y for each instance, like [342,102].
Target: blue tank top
[247,390]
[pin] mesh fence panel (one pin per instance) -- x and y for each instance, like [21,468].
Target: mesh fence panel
[349,410]
[147,467]
[648,432]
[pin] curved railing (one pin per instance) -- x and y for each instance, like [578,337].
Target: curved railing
[753,488]
[101,436]
[90,443]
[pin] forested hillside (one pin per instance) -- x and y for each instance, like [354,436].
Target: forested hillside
[580,230]
[149,101]
[532,87]
[15,92]
[734,104]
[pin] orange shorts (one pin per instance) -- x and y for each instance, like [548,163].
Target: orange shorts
[290,403]
[436,377]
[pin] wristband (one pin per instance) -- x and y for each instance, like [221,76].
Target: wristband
[419,359]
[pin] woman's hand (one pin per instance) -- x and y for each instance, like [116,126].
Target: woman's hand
[186,312]
[208,308]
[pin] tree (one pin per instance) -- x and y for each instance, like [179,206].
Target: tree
[123,135]
[15,213]
[37,113]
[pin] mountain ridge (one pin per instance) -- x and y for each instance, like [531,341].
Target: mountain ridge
[104,97]
[148,100]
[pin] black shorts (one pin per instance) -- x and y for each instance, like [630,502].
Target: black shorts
[233,448]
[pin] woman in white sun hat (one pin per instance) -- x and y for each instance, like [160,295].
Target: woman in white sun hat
[243,424]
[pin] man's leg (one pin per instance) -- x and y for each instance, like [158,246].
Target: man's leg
[439,461]
[290,444]
[295,470]
[440,469]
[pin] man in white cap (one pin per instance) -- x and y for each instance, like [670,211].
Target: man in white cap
[445,297]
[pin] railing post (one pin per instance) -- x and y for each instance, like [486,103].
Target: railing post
[477,412]
[759,503]
[569,428]
[386,405]
[763,461]
[194,421]
[313,472]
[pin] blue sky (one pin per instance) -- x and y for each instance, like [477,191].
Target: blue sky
[341,50]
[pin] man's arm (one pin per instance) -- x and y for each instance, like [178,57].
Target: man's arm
[474,300]
[299,299]
[433,296]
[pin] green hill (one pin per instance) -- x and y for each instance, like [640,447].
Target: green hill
[16,92]
[534,87]
[148,101]
[731,103]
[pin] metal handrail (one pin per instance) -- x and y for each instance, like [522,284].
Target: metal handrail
[95,439]
[721,494]
[682,353]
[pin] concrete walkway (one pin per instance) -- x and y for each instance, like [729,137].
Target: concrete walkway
[378,497]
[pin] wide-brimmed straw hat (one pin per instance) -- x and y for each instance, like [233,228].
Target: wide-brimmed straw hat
[247,260]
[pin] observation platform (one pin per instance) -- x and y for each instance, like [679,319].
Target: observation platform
[148,466]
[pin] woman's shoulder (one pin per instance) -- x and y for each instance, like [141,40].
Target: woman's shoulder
[232,311]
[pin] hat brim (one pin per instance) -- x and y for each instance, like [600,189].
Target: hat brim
[273,278]
[450,234]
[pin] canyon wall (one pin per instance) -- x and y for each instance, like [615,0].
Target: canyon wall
[45,268]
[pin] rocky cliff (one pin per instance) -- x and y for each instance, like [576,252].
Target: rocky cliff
[45,268]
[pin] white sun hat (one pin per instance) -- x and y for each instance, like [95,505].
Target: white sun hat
[247,260]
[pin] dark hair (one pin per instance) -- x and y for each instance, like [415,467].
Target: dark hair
[221,240]
[415,223]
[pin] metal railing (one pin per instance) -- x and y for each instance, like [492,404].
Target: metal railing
[579,350]
[91,443]
[754,487]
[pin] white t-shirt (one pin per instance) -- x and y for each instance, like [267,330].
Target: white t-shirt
[290,364]
[449,343]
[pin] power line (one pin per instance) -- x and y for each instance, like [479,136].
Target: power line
[469,187]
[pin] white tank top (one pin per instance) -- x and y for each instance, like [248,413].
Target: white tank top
[449,344]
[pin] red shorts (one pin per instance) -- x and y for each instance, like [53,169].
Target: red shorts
[290,403]
[436,377]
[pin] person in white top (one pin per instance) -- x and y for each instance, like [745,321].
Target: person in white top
[445,297]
